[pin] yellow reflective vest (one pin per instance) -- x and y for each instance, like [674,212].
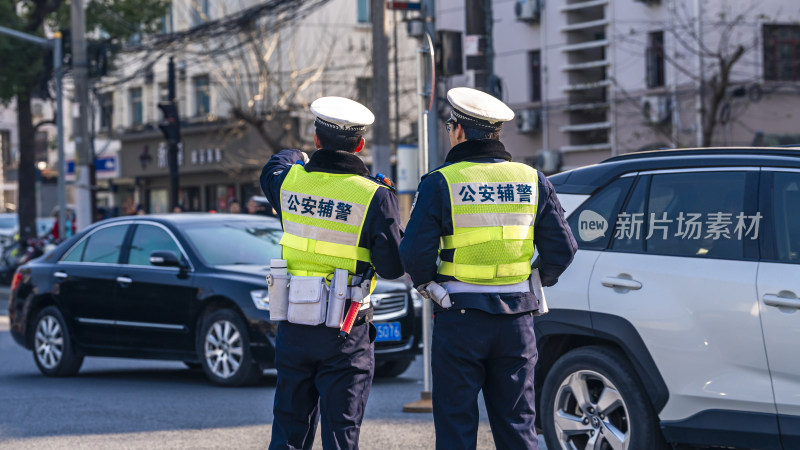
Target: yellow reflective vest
[323,217]
[494,208]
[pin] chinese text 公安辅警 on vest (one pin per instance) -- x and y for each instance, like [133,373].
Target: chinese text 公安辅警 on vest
[494,209]
[323,218]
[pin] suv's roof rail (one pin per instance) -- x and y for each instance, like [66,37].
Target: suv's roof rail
[782,151]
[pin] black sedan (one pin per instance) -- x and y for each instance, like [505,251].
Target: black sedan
[186,287]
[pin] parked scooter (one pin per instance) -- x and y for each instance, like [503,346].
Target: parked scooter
[19,253]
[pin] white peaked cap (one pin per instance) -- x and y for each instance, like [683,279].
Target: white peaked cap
[342,112]
[479,105]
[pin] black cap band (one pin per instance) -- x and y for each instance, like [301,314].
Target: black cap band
[474,122]
[356,130]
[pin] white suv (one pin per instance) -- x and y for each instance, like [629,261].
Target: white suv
[678,320]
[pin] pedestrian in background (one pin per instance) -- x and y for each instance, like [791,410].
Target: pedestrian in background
[481,215]
[334,216]
[234,207]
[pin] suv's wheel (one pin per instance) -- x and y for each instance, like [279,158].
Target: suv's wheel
[225,350]
[591,400]
[392,368]
[52,345]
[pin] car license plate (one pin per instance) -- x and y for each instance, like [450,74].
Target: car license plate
[388,331]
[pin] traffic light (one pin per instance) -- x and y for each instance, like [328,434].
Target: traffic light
[170,125]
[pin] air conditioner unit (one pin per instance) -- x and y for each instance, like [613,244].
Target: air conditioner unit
[549,161]
[469,78]
[656,108]
[529,121]
[527,10]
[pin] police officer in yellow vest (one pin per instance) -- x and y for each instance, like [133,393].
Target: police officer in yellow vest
[334,216]
[481,214]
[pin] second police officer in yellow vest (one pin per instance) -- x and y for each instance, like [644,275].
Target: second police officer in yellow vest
[469,242]
[334,216]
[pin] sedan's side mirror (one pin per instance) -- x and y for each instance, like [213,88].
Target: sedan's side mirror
[165,258]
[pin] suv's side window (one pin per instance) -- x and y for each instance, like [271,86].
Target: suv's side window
[592,222]
[698,214]
[102,246]
[146,240]
[786,204]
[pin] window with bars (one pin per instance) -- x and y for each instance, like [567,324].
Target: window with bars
[362,12]
[135,100]
[535,64]
[655,59]
[781,52]
[202,95]
[106,100]
[199,11]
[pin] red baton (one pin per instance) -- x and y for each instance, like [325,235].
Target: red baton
[352,313]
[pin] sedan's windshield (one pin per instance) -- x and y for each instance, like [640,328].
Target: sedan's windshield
[236,242]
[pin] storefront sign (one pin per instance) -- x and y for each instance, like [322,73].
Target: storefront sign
[197,156]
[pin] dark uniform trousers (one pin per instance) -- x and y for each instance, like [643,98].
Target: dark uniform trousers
[319,376]
[474,350]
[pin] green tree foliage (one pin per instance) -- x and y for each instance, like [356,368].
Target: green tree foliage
[22,66]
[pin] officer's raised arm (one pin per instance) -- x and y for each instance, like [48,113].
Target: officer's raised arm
[554,240]
[275,171]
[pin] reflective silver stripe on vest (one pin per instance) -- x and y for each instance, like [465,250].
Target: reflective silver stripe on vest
[493,220]
[320,234]
[325,208]
[457,287]
[500,193]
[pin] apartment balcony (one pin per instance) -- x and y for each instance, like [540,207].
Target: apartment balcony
[587,65]
[578,128]
[586,86]
[585,45]
[584,25]
[586,148]
[587,106]
[583,5]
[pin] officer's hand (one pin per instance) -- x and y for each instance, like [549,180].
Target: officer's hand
[306,159]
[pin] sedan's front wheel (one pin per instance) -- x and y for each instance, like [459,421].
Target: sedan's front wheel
[225,350]
[52,345]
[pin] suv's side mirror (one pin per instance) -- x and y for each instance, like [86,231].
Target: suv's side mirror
[165,258]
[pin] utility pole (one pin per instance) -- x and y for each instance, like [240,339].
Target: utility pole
[83,158]
[700,98]
[381,149]
[171,128]
[435,158]
[429,156]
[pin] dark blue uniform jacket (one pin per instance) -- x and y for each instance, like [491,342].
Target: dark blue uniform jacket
[431,218]
[381,233]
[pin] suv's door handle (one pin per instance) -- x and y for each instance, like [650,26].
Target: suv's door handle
[783,302]
[625,283]
[60,275]
[124,280]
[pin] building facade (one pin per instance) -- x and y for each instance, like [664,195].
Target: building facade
[589,79]
[245,76]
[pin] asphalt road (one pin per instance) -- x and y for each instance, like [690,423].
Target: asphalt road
[132,404]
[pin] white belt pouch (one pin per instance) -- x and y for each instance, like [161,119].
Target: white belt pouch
[308,299]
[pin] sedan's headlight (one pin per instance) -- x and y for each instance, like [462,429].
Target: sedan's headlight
[416,299]
[260,299]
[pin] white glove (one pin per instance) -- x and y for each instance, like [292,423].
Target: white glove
[306,159]
[435,292]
